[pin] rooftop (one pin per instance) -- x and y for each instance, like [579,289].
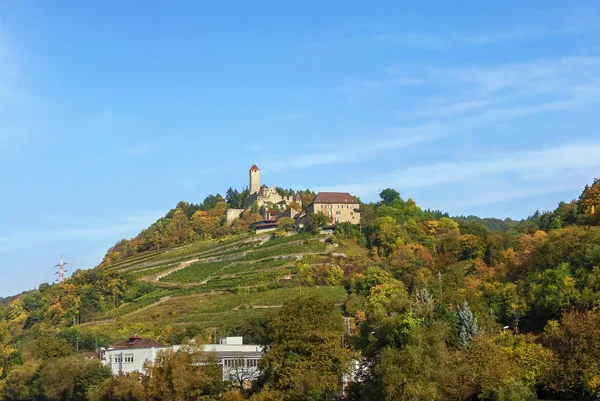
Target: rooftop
[254,168]
[335,197]
[136,341]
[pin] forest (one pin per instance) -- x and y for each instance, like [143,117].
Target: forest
[440,308]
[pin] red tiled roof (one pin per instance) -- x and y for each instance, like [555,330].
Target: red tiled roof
[254,168]
[137,342]
[265,225]
[335,197]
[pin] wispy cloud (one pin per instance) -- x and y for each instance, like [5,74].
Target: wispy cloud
[482,96]
[360,150]
[512,90]
[519,34]
[523,174]
[435,41]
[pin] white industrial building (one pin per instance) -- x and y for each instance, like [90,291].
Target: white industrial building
[239,361]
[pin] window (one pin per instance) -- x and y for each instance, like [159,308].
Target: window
[252,363]
[338,212]
[330,213]
[118,358]
[128,358]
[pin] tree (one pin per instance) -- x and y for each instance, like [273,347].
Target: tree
[125,387]
[467,325]
[254,209]
[305,358]
[233,198]
[590,201]
[405,356]
[286,224]
[50,347]
[93,374]
[57,378]
[19,384]
[389,195]
[177,376]
[575,342]
[315,221]
[241,372]
[514,390]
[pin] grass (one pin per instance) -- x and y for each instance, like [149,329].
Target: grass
[195,273]
[243,287]
[223,310]
[199,247]
[243,280]
[310,246]
[153,270]
[288,246]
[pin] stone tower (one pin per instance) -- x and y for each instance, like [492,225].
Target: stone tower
[254,179]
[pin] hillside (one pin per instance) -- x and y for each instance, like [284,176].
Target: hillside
[216,283]
[405,278]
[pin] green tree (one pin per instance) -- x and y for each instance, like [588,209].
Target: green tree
[575,343]
[286,224]
[19,384]
[315,221]
[181,376]
[305,357]
[389,195]
[50,347]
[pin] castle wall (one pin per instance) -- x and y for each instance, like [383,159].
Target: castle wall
[233,214]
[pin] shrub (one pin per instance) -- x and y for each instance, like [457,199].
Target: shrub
[513,390]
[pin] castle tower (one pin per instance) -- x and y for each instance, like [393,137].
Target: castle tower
[254,179]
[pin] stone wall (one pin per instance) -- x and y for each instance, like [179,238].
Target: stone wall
[233,214]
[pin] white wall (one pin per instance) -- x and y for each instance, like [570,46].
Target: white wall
[229,355]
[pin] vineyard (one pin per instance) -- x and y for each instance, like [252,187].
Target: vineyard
[217,282]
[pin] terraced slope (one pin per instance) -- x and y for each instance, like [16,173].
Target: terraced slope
[217,283]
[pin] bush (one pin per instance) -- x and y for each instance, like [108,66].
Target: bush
[513,390]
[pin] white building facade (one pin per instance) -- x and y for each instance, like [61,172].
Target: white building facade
[239,361]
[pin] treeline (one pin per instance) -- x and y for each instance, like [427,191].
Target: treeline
[439,309]
[190,222]
[407,347]
[43,323]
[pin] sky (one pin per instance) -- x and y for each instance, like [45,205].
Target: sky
[112,112]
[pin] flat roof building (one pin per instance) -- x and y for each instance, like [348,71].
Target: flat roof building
[236,358]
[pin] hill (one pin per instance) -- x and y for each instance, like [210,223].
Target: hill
[404,272]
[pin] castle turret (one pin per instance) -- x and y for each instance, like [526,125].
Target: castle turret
[254,179]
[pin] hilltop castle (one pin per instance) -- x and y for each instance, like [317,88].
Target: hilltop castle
[338,206]
[264,195]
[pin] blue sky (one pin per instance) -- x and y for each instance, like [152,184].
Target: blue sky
[111,113]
